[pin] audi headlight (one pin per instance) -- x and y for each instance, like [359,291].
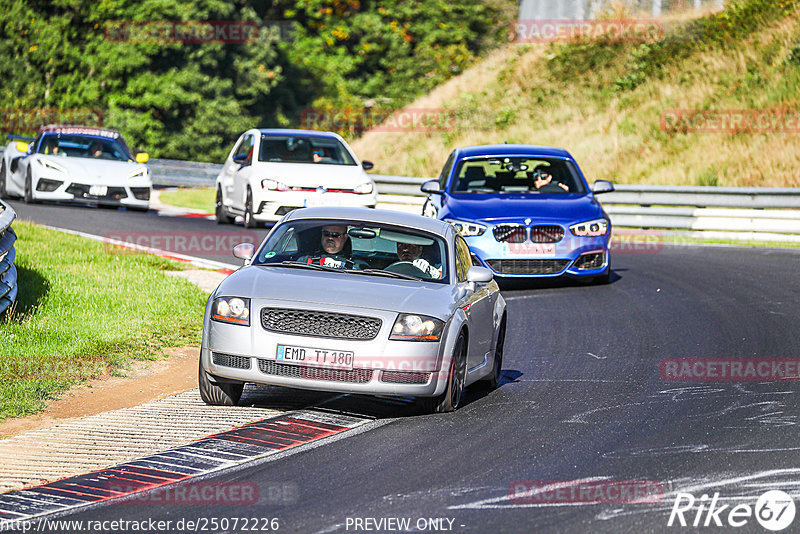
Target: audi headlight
[233,310]
[47,164]
[273,185]
[467,229]
[363,189]
[139,173]
[410,327]
[593,228]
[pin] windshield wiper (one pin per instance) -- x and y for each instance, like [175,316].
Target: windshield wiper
[390,274]
[294,264]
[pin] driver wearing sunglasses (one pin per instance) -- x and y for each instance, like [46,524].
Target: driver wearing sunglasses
[334,251]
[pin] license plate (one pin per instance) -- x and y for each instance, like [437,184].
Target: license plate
[311,357]
[529,249]
[324,200]
[98,190]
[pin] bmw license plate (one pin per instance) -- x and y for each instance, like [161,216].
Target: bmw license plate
[311,357]
[98,190]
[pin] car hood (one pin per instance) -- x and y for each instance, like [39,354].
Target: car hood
[512,207]
[340,289]
[94,168]
[312,174]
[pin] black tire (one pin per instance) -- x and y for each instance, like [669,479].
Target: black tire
[494,379]
[29,188]
[222,394]
[220,213]
[3,193]
[249,221]
[450,400]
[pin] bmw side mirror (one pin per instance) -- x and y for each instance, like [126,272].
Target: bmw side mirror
[479,275]
[244,251]
[602,186]
[367,165]
[431,187]
[240,159]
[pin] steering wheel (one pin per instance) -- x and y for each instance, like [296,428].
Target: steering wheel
[406,267]
[552,187]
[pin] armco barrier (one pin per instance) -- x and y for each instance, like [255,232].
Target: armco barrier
[8,273]
[757,213]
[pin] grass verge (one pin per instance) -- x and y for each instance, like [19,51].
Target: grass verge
[86,310]
[196,198]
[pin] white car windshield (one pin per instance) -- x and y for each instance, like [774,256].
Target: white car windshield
[517,174]
[365,247]
[298,149]
[83,146]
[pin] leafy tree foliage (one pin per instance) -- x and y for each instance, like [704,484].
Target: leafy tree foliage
[190,101]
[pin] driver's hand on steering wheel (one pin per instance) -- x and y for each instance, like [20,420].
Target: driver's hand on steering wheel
[427,268]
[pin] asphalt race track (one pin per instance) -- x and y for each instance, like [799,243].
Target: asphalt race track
[582,403]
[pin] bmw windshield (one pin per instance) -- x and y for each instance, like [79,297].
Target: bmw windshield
[516,174]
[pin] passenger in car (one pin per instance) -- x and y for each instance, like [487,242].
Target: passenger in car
[413,253]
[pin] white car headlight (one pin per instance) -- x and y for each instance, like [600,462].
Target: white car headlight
[594,228]
[467,229]
[47,164]
[235,310]
[274,185]
[410,327]
[363,189]
[138,173]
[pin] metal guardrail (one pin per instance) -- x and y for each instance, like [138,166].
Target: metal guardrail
[8,273]
[760,213]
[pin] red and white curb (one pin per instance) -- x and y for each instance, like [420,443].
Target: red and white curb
[214,453]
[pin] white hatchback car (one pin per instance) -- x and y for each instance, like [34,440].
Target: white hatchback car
[271,172]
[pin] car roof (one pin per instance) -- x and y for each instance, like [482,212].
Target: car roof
[305,133]
[512,150]
[398,218]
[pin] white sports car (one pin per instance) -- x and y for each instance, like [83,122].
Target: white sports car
[272,172]
[76,164]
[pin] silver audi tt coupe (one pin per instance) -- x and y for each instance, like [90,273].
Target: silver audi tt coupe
[355,300]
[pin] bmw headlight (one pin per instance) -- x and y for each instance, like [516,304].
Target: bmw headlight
[235,310]
[467,229]
[363,189]
[594,228]
[139,173]
[47,164]
[274,185]
[411,327]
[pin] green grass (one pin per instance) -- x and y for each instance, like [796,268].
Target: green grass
[197,198]
[86,310]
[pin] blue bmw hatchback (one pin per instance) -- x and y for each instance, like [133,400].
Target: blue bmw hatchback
[525,211]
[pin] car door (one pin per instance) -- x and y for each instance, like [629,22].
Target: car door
[477,305]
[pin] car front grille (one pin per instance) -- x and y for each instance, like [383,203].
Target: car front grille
[399,377]
[356,376]
[528,266]
[229,360]
[320,324]
[82,191]
[547,233]
[592,260]
[510,233]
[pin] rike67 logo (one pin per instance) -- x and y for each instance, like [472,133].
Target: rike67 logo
[774,510]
